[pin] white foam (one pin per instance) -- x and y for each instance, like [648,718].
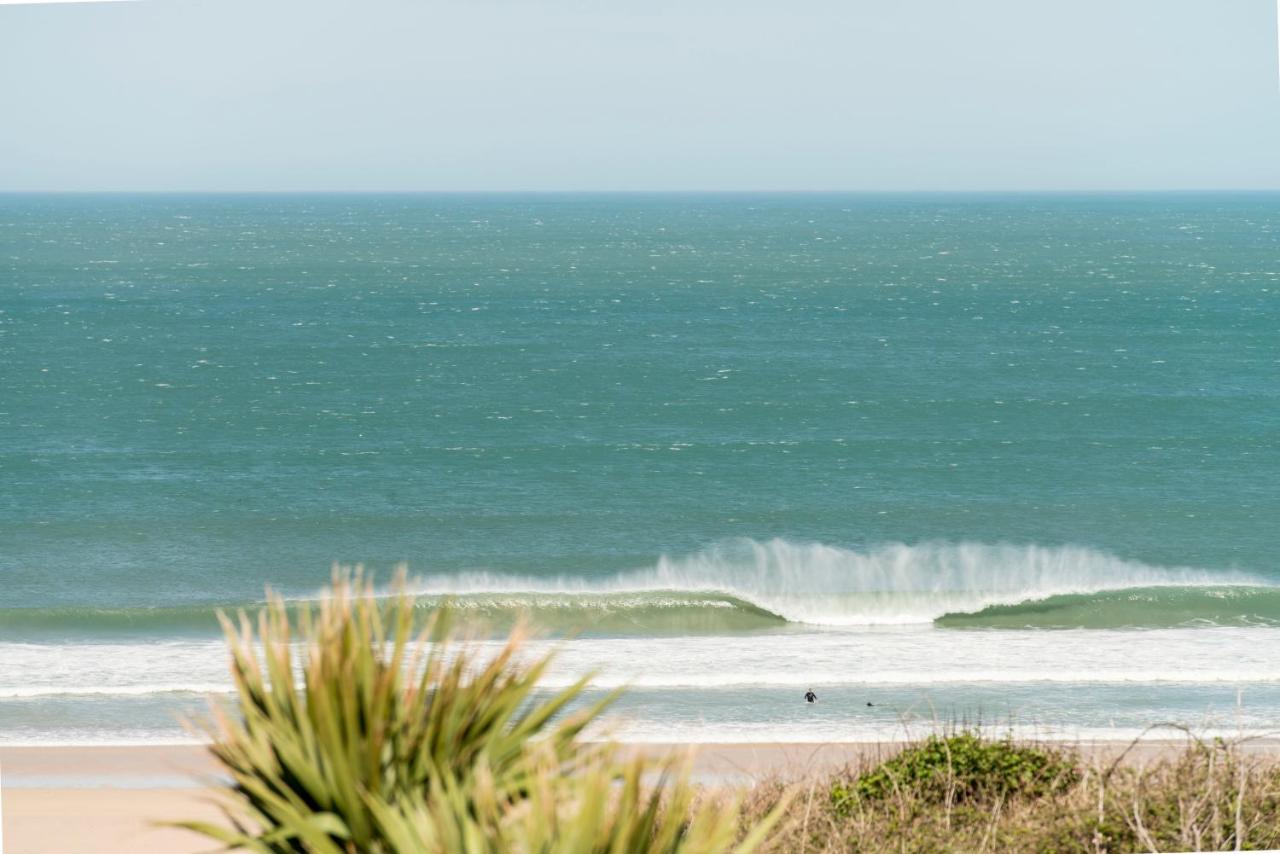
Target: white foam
[925,656]
[913,655]
[113,669]
[28,691]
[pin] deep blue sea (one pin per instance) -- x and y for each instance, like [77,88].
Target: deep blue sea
[1010,459]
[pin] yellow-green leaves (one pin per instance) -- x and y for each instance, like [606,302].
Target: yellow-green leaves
[355,732]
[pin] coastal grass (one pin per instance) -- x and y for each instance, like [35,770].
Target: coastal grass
[961,792]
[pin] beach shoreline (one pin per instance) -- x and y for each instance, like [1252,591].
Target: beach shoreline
[109,798]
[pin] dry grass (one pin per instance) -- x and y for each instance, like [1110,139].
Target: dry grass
[1212,796]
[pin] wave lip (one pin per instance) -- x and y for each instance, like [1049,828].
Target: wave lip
[897,584]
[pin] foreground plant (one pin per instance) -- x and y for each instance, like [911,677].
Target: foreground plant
[605,807]
[356,733]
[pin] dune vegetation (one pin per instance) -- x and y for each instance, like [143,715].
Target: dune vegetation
[355,728]
[968,794]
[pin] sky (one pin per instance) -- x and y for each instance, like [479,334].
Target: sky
[608,95]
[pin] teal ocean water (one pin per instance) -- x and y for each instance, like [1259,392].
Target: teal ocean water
[999,458]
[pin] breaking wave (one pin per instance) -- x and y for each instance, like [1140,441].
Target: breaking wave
[780,582]
[746,585]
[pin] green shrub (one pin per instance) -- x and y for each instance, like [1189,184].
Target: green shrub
[1202,796]
[963,767]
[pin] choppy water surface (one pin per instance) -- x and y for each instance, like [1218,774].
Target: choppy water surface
[967,458]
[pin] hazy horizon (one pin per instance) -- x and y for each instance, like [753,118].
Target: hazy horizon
[191,96]
[1085,192]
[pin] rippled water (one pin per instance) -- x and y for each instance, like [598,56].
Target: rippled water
[994,457]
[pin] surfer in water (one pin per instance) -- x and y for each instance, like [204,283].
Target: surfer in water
[810,697]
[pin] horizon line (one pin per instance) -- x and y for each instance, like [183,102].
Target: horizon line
[658,192]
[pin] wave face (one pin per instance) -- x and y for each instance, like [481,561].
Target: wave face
[658,612]
[745,586]
[758,584]
[1135,607]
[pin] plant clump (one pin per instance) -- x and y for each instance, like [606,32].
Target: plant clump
[353,731]
[997,796]
[961,768]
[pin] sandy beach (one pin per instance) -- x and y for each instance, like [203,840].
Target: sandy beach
[108,799]
[105,799]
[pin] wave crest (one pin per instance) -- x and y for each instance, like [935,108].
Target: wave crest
[820,585]
[746,585]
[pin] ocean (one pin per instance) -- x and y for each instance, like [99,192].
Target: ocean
[1008,461]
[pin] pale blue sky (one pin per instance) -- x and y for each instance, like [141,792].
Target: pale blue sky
[654,95]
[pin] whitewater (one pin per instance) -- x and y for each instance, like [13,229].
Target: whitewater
[747,619]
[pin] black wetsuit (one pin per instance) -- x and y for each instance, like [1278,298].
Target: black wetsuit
[810,697]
